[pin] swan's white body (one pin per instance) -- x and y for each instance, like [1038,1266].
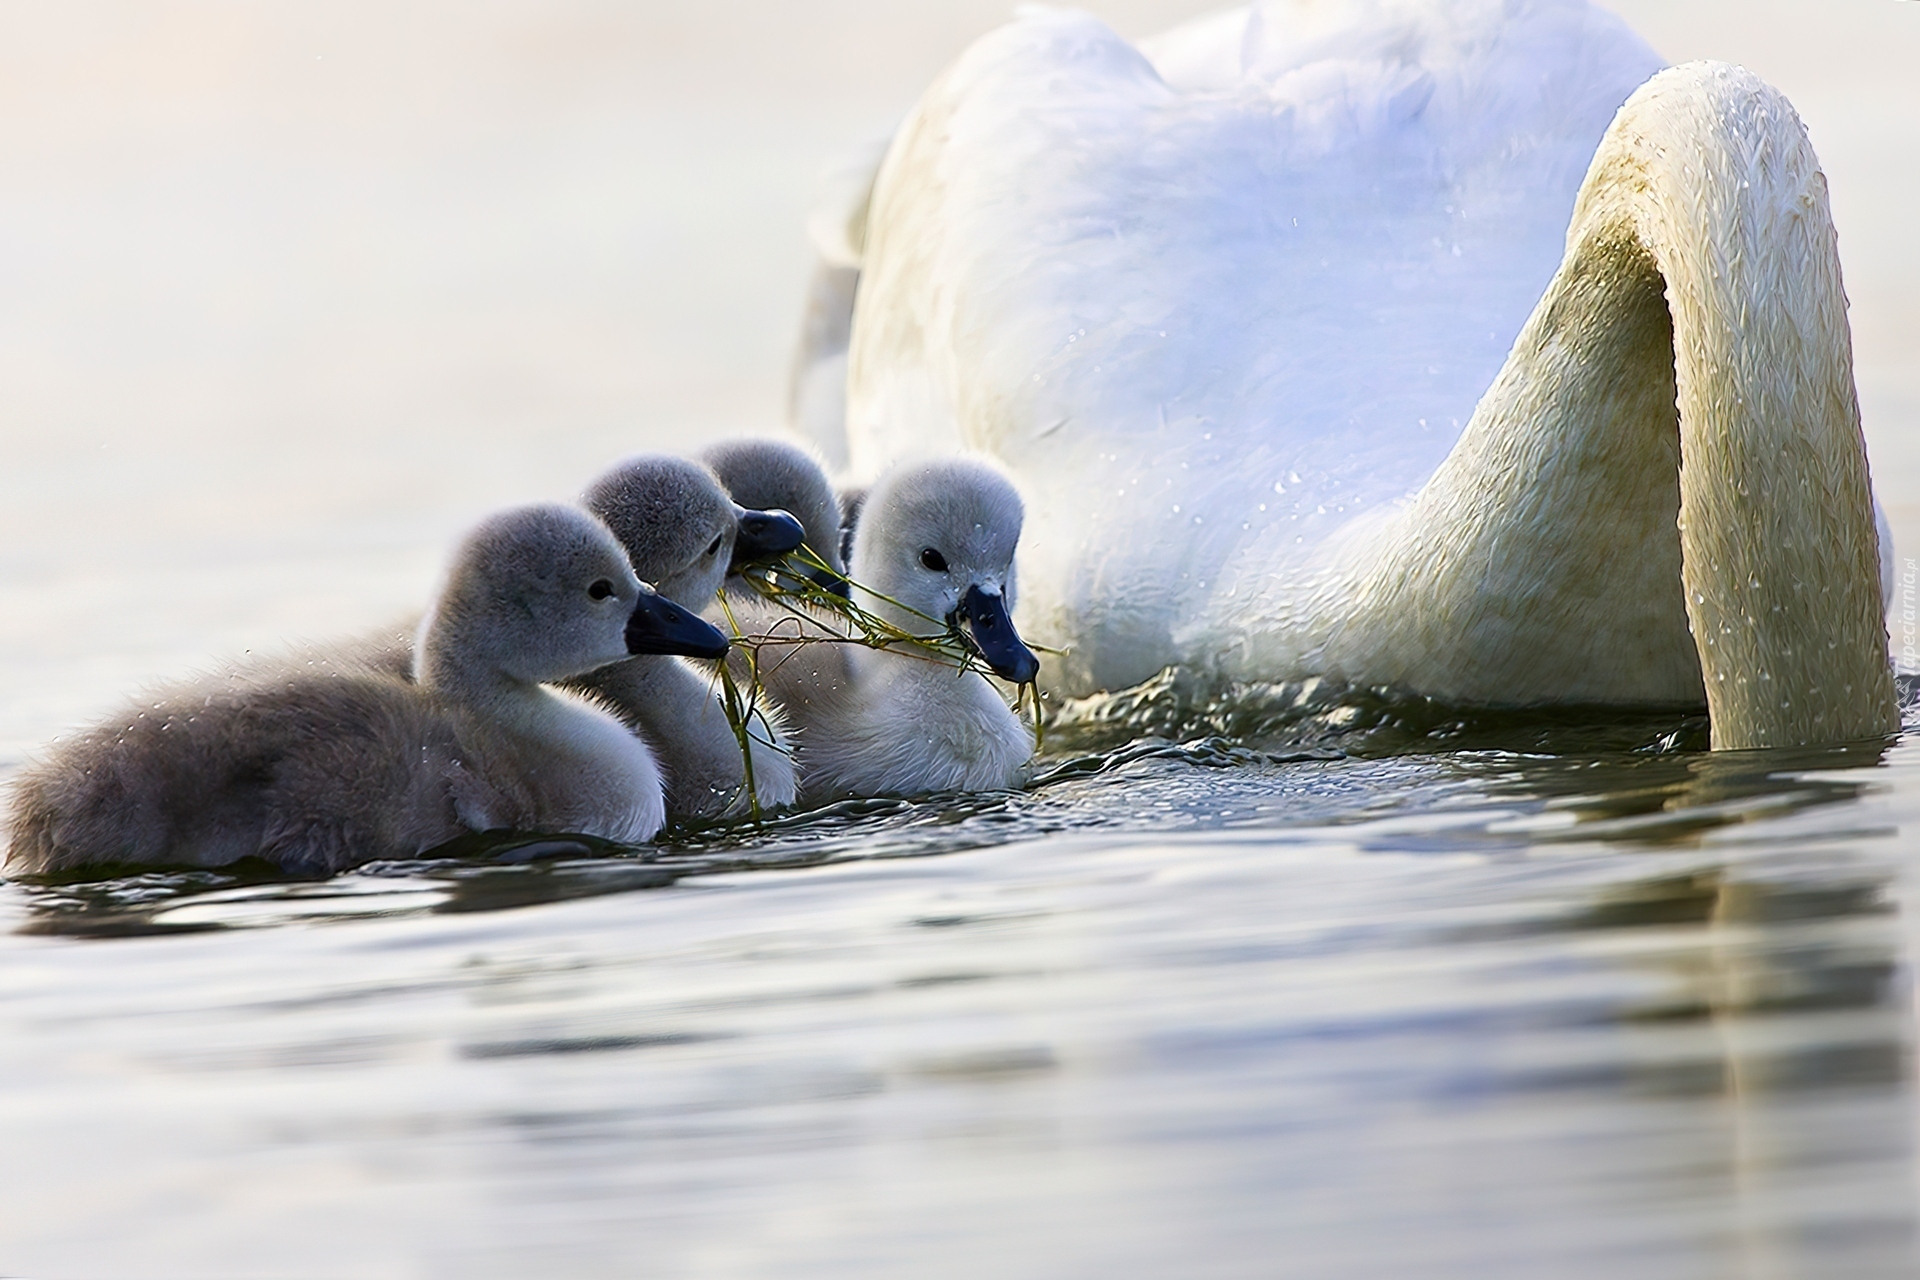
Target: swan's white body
[1226,305]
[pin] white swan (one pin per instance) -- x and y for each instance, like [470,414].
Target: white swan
[323,766]
[1225,304]
[939,539]
[681,532]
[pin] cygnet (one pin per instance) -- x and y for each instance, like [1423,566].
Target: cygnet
[852,498]
[326,766]
[935,546]
[770,475]
[682,533]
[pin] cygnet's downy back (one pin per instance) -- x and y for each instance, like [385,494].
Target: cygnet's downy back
[318,771]
[683,533]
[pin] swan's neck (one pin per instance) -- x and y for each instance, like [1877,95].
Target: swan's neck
[1690,365]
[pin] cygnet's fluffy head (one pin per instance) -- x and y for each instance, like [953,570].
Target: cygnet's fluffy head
[939,537]
[676,522]
[772,475]
[542,593]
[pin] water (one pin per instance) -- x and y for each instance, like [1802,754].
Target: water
[1178,1010]
[1269,981]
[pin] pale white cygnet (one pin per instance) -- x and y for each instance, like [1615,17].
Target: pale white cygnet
[319,767]
[682,532]
[774,475]
[935,545]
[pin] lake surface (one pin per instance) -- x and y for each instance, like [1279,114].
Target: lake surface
[1287,983]
[1201,1010]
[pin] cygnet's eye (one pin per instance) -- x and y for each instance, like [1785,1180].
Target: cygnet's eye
[933,560]
[713,548]
[600,589]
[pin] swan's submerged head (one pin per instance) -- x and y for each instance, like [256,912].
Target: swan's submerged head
[544,592]
[939,539]
[772,475]
[681,530]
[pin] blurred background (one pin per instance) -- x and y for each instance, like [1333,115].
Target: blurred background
[290,293]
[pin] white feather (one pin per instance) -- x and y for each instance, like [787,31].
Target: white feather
[1227,303]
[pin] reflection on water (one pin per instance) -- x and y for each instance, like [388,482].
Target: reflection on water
[1572,1000]
[1299,759]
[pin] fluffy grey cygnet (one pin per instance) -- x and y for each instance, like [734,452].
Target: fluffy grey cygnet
[319,767]
[939,539]
[681,532]
[775,475]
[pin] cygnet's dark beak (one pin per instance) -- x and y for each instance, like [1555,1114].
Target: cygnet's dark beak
[833,582]
[658,625]
[764,535]
[983,618]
